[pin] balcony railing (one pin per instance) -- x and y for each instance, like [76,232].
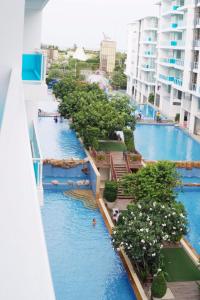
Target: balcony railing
[170,79]
[178,81]
[36,154]
[149,40]
[196,43]
[149,53]
[195,65]
[197,20]
[33,66]
[173,43]
[149,67]
[173,61]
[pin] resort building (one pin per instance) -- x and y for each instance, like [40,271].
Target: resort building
[107,55]
[141,58]
[177,89]
[24,272]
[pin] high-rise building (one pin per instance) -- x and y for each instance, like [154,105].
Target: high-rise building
[24,272]
[178,75]
[141,58]
[107,55]
[177,84]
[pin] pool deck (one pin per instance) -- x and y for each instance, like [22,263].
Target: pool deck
[187,290]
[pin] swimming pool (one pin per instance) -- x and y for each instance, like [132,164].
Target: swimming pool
[165,142]
[83,263]
[58,140]
[148,111]
[190,197]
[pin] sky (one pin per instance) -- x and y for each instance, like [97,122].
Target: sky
[82,22]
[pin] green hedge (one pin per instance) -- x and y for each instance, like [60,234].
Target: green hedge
[110,191]
[129,139]
[159,286]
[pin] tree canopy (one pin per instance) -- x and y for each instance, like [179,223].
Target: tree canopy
[94,115]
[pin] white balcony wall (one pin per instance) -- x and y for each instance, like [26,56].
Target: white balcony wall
[32,29]
[11,33]
[24,272]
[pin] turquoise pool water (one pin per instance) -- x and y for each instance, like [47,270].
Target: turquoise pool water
[190,197]
[165,142]
[148,112]
[83,263]
[58,140]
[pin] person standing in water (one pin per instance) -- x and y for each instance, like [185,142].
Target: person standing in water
[94,222]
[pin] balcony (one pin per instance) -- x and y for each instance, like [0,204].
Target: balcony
[170,61]
[33,67]
[149,54]
[168,79]
[149,40]
[172,44]
[197,22]
[148,67]
[195,88]
[178,81]
[36,155]
[196,43]
[195,65]
[173,10]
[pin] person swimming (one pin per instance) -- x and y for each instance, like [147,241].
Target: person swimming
[94,222]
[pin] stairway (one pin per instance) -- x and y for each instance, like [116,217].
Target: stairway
[120,169]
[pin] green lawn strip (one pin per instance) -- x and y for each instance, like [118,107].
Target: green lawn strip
[179,266]
[112,146]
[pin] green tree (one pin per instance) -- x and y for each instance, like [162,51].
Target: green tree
[119,79]
[155,181]
[145,227]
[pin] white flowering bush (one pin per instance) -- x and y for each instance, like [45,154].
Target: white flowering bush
[145,227]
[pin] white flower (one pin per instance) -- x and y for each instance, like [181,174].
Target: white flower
[144,248]
[139,206]
[153,254]
[161,246]
[150,208]
[141,229]
[182,216]
[173,232]
[174,227]
[173,213]
[163,206]
[150,223]
[159,270]
[140,214]
[114,232]
[165,217]
[143,241]
[147,230]
[163,225]
[154,203]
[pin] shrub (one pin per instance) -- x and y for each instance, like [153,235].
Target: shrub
[129,140]
[151,98]
[177,118]
[110,191]
[159,286]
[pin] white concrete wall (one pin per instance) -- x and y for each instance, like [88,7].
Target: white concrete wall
[24,271]
[11,33]
[32,30]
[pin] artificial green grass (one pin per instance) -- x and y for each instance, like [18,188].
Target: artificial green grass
[179,266]
[111,146]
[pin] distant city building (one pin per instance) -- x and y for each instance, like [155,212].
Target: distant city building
[52,54]
[141,58]
[107,55]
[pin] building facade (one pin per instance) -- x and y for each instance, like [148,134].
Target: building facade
[177,84]
[107,56]
[141,58]
[24,272]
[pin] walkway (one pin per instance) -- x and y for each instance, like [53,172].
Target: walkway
[188,290]
[120,169]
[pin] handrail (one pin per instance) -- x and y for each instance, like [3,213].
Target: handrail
[114,176]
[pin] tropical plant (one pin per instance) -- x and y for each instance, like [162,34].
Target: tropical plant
[155,181]
[159,286]
[145,227]
[151,98]
[110,191]
[129,139]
